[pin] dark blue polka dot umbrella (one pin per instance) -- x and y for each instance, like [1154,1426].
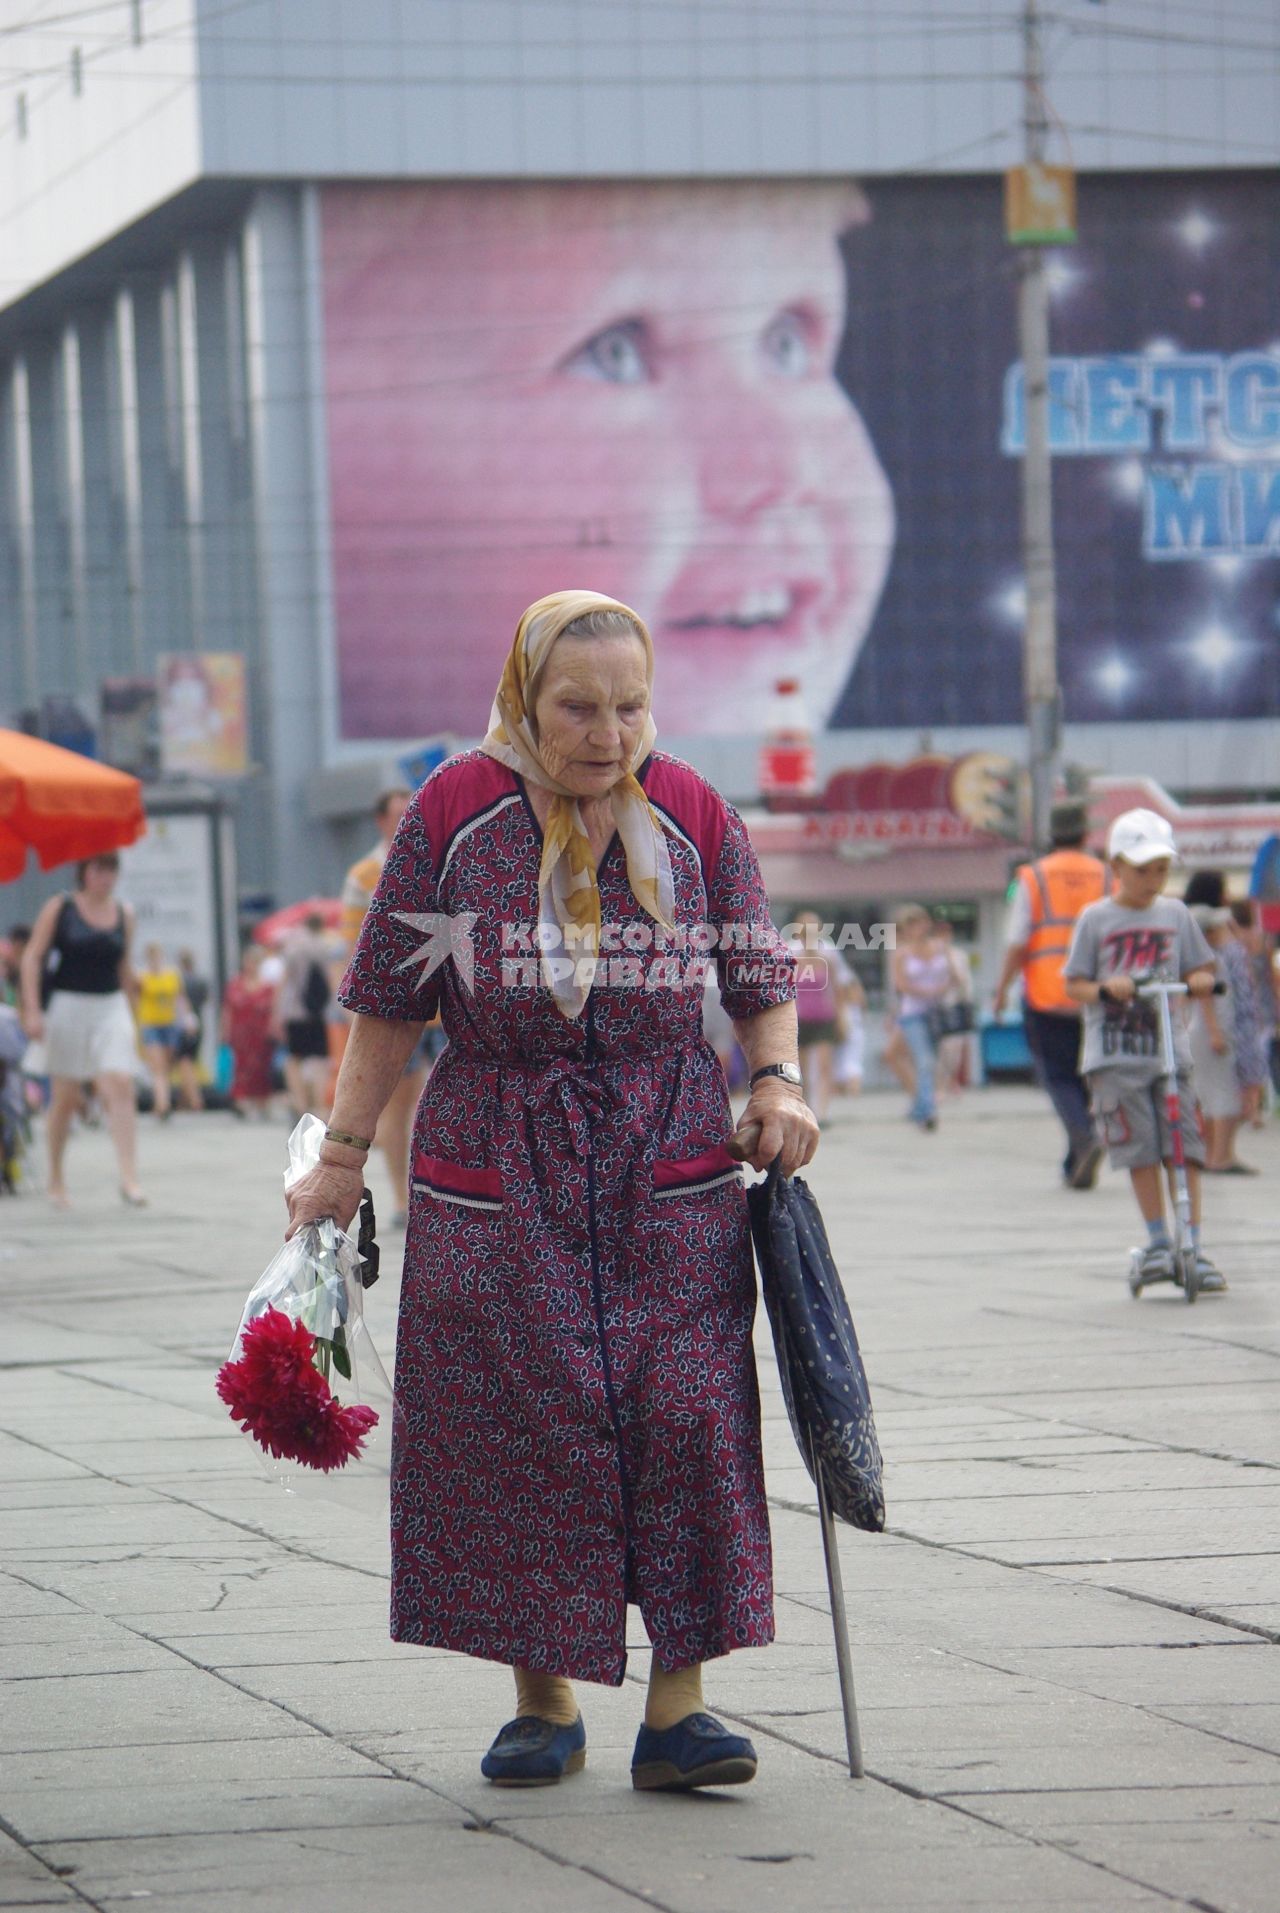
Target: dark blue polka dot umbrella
[823,1382]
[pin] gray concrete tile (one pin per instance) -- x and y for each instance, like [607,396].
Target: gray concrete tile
[1171,1837]
[1155,1677]
[225,1788]
[1024,1405]
[25,1880]
[133,1710]
[23,1461]
[925,1859]
[1254,1723]
[322,1868]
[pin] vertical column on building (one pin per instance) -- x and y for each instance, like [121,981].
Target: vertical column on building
[179,608]
[127,482]
[285,401]
[104,598]
[190,427]
[161,613]
[76,584]
[20,485]
[216,379]
[50,552]
[236,489]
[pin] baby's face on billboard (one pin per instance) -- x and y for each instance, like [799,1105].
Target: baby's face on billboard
[626,388]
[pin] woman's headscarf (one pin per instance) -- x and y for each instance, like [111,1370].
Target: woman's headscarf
[568,894]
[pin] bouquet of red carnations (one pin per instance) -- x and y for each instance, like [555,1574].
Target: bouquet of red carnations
[303,1379]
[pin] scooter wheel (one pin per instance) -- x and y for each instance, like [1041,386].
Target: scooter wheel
[1188,1275]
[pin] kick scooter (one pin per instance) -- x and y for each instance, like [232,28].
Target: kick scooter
[1185,1263]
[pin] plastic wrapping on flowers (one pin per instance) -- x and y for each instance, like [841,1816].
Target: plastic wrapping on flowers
[303,1379]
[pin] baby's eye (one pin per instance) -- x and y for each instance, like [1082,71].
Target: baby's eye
[788,344]
[619,355]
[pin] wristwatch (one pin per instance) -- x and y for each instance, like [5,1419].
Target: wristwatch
[787,1072]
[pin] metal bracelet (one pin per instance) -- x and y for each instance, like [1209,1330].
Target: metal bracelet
[347,1140]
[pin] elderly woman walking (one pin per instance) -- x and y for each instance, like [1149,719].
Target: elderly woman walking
[581,1425]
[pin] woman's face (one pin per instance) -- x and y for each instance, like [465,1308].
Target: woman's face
[624,388]
[99,879]
[590,708]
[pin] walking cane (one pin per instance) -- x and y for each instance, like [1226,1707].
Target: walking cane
[742,1146]
[835,1589]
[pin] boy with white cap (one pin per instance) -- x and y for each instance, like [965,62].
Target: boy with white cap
[1132,936]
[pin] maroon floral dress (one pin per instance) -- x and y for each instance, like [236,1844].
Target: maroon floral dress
[574,1359]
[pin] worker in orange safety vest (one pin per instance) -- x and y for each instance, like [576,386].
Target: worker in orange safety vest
[1050,894]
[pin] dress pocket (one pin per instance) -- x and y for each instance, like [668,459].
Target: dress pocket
[452,1184]
[678,1179]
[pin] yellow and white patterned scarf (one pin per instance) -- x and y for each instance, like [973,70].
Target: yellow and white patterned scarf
[568,894]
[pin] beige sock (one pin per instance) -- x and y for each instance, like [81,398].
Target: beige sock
[672,1697]
[548,1696]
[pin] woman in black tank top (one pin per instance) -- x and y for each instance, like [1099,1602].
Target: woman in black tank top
[88,958]
[79,952]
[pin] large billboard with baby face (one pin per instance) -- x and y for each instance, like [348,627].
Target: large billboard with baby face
[782,420]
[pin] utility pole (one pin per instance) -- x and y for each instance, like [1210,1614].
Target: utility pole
[1042,697]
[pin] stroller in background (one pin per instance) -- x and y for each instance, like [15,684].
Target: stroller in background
[15,1125]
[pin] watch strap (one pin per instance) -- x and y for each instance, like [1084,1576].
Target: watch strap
[784,1072]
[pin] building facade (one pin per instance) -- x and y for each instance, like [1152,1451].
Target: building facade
[330,337]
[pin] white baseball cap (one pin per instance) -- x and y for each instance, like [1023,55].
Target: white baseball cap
[1140,836]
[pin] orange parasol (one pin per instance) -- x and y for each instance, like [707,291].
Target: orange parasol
[280,925]
[61,805]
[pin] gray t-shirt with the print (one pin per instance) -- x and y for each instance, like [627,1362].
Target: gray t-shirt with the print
[1109,940]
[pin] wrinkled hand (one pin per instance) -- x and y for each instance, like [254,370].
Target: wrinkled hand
[787,1126]
[328,1190]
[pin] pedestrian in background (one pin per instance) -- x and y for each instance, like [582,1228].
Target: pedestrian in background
[11,950]
[850,1061]
[822,988]
[161,1007]
[922,976]
[1255,1063]
[895,1052]
[395,1125]
[1216,1024]
[186,1055]
[1117,942]
[1206,886]
[1048,900]
[301,1016]
[248,1015]
[88,1030]
[953,1017]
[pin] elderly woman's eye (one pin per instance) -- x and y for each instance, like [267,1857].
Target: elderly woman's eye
[619,355]
[789,345]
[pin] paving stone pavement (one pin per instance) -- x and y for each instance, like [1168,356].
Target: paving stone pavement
[1065,1645]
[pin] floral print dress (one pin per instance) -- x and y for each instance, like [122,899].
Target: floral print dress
[580,1422]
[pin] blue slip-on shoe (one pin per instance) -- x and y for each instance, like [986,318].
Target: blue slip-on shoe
[699,1751]
[532,1752]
